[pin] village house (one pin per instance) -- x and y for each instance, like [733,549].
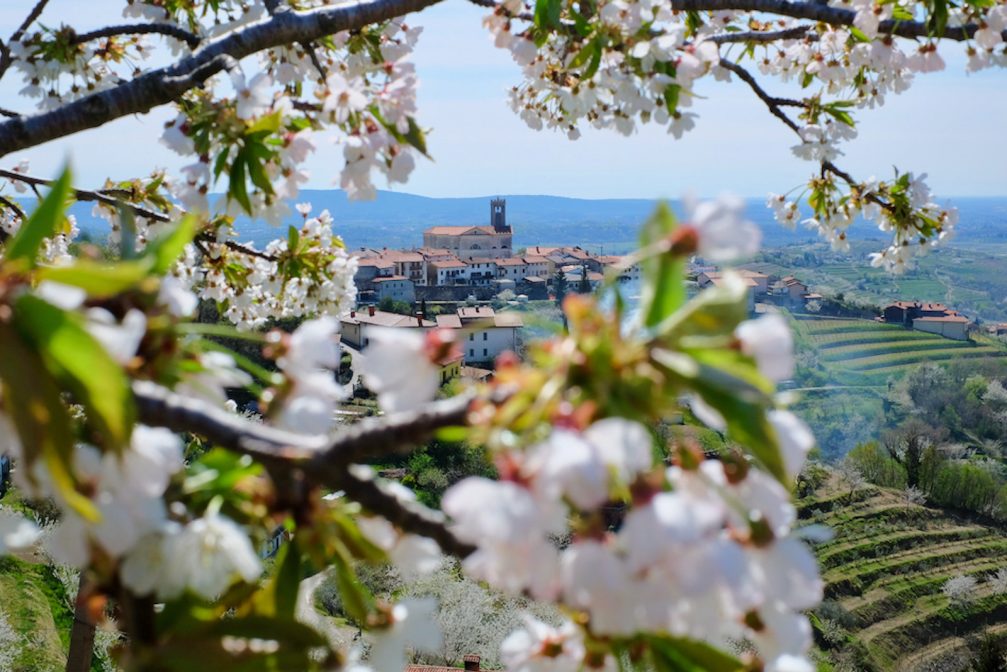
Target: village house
[511,268]
[407,263]
[356,326]
[369,268]
[395,287]
[488,333]
[761,280]
[933,318]
[630,274]
[447,272]
[952,325]
[538,267]
[481,270]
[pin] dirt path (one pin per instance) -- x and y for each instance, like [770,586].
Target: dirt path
[339,636]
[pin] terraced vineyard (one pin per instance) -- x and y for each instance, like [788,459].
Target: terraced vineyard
[885,570]
[869,352]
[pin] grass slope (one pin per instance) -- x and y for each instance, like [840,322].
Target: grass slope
[865,352]
[34,605]
[884,571]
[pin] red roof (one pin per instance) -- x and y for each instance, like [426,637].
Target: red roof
[449,263]
[944,318]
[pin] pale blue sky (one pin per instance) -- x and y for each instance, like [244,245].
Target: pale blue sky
[949,125]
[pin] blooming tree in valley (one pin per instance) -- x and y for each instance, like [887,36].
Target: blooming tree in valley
[673,557]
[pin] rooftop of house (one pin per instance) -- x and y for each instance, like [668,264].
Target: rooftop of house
[482,260]
[943,318]
[475,312]
[539,251]
[902,304]
[448,321]
[402,256]
[476,373]
[534,259]
[511,261]
[508,319]
[380,318]
[375,262]
[449,263]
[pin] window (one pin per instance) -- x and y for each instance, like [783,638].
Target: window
[472,352]
[472,336]
[485,335]
[484,352]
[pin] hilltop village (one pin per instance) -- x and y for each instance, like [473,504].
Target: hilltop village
[450,280]
[456,279]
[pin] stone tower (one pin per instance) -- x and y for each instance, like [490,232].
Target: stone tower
[498,215]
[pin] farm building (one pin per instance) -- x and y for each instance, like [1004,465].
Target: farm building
[949,326]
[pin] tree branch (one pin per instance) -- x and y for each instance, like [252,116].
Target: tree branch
[5,57]
[834,16]
[774,104]
[762,37]
[105,198]
[320,460]
[164,85]
[168,29]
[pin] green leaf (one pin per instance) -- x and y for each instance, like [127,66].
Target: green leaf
[663,290]
[166,249]
[78,361]
[679,654]
[42,223]
[33,402]
[280,596]
[357,600]
[269,123]
[939,18]
[98,280]
[585,54]
[416,138]
[547,14]
[713,312]
[236,187]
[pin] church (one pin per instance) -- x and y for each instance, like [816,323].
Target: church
[475,242]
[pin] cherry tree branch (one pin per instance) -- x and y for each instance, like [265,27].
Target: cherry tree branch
[164,85]
[105,197]
[834,16]
[113,198]
[168,29]
[774,104]
[5,57]
[320,460]
[762,37]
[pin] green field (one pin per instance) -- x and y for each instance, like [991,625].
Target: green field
[866,352]
[884,572]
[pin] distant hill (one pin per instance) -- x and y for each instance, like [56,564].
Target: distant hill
[398,220]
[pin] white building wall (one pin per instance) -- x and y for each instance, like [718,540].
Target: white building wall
[486,344]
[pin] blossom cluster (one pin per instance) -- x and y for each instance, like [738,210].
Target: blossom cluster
[312,277]
[903,208]
[704,552]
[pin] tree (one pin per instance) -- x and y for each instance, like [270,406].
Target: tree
[559,286]
[907,444]
[584,286]
[253,85]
